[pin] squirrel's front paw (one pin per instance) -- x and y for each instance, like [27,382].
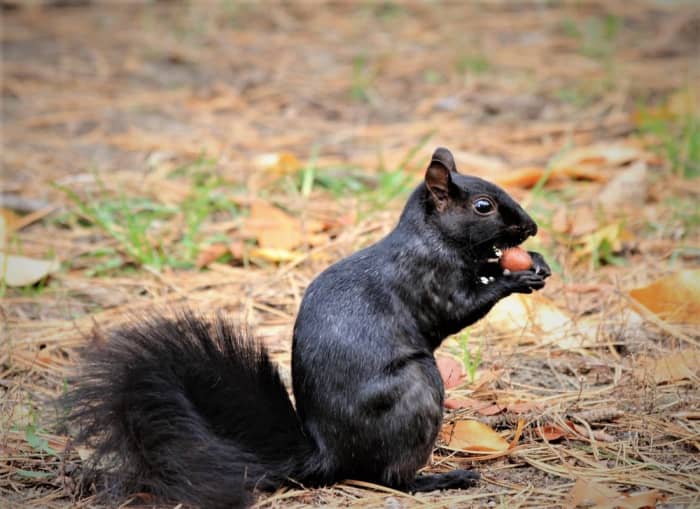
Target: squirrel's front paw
[525,281]
[539,266]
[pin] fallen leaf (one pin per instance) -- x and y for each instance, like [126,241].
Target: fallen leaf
[272,227]
[611,235]
[522,177]
[10,219]
[451,370]
[640,500]
[671,368]
[23,271]
[589,493]
[279,163]
[581,172]
[539,318]
[675,298]
[595,434]
[461,402]
[523,407]
[572,431]
[550,432]
[491,409]
[210,254]
[628,189]
[529,176]
[599,155]
[474,436]
[270,254]
[583,221]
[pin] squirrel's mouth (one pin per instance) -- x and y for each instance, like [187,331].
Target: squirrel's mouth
[491,267]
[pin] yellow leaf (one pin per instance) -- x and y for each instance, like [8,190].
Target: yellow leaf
[10,219]
[613,234]
[22,271]
[473,436]
[282,163]
[675,298]
[269,254]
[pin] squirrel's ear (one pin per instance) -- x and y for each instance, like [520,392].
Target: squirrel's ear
[438,181]
[444,156]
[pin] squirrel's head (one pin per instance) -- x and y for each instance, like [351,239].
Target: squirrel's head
[471,213]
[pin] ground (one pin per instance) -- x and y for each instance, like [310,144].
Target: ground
[221,153]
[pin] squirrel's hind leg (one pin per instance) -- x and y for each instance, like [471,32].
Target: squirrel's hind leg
[454,479]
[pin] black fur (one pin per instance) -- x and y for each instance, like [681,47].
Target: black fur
[195,412]
[187,410]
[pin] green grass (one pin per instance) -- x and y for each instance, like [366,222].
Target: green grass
[472,63]
[139,225]
[676,137]
[375,189]
[361,82]
[597,35]
[470,358]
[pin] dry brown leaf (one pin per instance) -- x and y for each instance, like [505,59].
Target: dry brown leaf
[522,177]
[491,409]
[583,221]
[474,436]
[597,155]
[528,177]
[589,493]
[671,368]
[210,254]
[628,189]
[523,407]
[10,219]
[542,320]
[272,227]
[23,271]
[451,370]
[580,172]
[675,298]
[550,432]
[572,431]
[461,402]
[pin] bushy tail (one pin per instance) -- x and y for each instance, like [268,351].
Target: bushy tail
[187,409]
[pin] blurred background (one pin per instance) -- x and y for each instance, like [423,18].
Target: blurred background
[222,152]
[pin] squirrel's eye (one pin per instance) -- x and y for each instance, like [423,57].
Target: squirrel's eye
[483,206]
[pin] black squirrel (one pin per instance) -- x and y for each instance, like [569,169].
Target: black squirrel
[194,411]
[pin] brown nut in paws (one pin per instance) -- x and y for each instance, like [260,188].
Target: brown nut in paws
[515,259]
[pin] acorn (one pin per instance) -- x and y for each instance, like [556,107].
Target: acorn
[515,259]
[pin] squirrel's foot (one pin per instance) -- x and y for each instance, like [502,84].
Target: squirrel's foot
[455,479]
